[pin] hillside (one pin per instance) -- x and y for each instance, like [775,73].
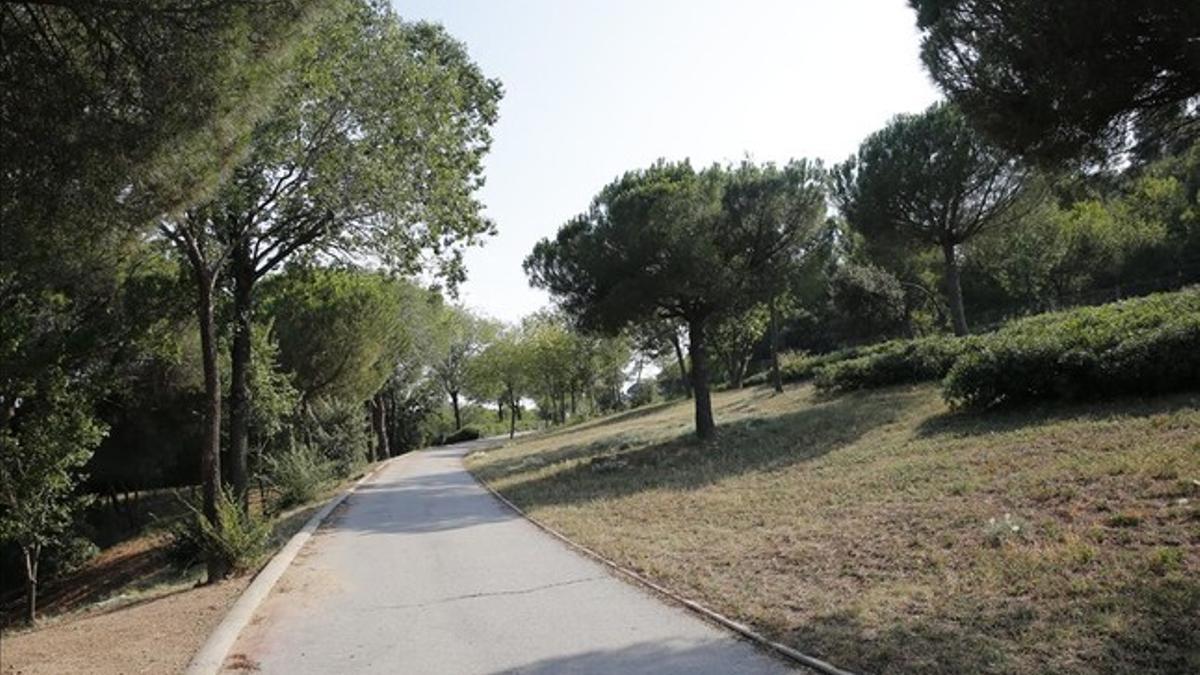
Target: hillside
[886,533]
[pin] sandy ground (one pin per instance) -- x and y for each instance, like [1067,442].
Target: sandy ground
[153,636]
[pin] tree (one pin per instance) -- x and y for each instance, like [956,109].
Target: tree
[460,337]
[932,179]
[503,372]
[40,460]
[661,244]
[342,332]
[783,209]
[735,338]
[657,340]
[549,359]
[1061,81]
[869,301]
[115,114]
[373,149]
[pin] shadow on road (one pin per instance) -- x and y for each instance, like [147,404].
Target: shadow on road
[646,657]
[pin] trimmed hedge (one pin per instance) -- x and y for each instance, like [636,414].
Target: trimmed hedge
[1147,345]
[462,435]
[895,362]
[802,366]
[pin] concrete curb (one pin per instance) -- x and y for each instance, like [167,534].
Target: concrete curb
[211,657]
[710,615]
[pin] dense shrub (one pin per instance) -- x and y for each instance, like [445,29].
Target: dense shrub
[240,539]
[462,435]
[1148,345]
[340,429]
[801,366]
[298,474]
[896,362]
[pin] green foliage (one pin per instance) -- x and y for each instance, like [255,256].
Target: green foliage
[734,339]
[869,301]
[1148,345]
[42,450]
[298,474]
[238,538]
[897,362]
[338,428]
[461,436]
[930,179]
[1060,81]
[670,242]
[341,331]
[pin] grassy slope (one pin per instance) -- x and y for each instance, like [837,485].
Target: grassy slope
[859,528]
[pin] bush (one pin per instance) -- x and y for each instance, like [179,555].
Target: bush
[240,539]
[802,366]
[339,428]
[461,436]
[298,474]
[896,362]
[1148,345]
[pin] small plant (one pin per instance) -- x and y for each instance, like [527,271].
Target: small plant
[298,475]
[997,532]
[1165,560]
[1125,520]
[239,539]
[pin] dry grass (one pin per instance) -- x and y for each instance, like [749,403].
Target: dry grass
[871,529]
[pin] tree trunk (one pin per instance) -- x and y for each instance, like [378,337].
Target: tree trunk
[512,414]
[954,290]
[379,424]
[457,412]
[500,409]
[572,402]
[239,373]
[705,426]
[776,375]
[210,449]
[33,554]
[683,371]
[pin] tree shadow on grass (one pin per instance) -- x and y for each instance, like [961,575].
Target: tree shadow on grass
[617,467]
[1158,633]
[965,423]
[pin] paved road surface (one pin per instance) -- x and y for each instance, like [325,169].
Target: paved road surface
[422,571]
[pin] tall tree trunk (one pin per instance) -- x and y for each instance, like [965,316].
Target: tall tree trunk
[776,375]
[457,412]
[512,414]
[210,449]
[379,424]
[683,371]
[33,555]
[706,428]
[239,372]
[572,401]
[500,409]
[954,290]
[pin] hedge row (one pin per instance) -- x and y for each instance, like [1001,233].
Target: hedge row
[802,366]
[895,362]
[1149,345]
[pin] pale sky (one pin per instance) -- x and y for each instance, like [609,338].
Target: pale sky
[597,87]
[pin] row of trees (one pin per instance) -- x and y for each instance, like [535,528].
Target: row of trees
[1042,181]
[275,172]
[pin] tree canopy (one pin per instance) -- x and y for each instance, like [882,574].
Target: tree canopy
[670,242]
[1062,81]
[930,178]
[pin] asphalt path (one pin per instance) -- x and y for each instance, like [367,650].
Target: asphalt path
[422,571]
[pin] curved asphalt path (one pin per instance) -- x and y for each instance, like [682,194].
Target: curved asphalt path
[422,571]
